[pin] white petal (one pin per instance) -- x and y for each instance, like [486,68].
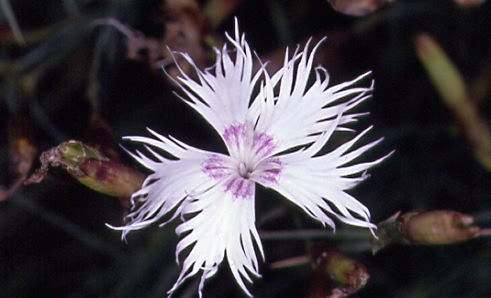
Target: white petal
[220,226]
[172,181]
[301,112]
[318,184]
[223,98]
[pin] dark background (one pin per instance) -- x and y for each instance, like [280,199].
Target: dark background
[53,238]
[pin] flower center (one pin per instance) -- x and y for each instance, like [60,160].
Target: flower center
[250,161]
[244,172]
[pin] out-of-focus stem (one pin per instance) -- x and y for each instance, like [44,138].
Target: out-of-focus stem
[316,234]
[450,85]
[12,20]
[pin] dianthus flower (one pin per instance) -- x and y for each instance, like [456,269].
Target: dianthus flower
[273,138]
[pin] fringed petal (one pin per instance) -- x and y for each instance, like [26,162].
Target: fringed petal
[170,183]
[301,112]
[223,97]
[318,184]
[220,226]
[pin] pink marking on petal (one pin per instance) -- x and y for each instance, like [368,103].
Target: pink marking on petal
[270,175]
[230,183]
[263,144]
[271,171]
[235,135]
[240,188]
[214,167]
[242,136]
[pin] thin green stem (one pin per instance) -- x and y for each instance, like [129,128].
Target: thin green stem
[348,234]
[12,20]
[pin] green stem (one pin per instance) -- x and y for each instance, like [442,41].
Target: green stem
[316,234]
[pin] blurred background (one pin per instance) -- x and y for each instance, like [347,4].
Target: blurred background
[92,71]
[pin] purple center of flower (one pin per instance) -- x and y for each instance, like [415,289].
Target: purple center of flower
[250,161]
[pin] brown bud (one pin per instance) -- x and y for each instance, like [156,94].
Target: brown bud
[469,3]
[357,7]
[335,274]
[21,145]
[437,227]
[22,152]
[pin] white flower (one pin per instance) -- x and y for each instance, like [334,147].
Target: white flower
[273,139]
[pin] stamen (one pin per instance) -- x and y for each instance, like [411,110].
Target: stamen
[243,172]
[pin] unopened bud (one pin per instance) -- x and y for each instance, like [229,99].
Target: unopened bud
[88,166]
[357,7]
[22,152]
[469,3]
[341,274]
[108,177]
[21,145]
[75,150]
[437,227]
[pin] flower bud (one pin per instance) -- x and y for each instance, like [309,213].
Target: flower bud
[469,3]
[357,7]
[108,177]
[438,227]
[21,145]
[22,152]
[88,166]
[335,273]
